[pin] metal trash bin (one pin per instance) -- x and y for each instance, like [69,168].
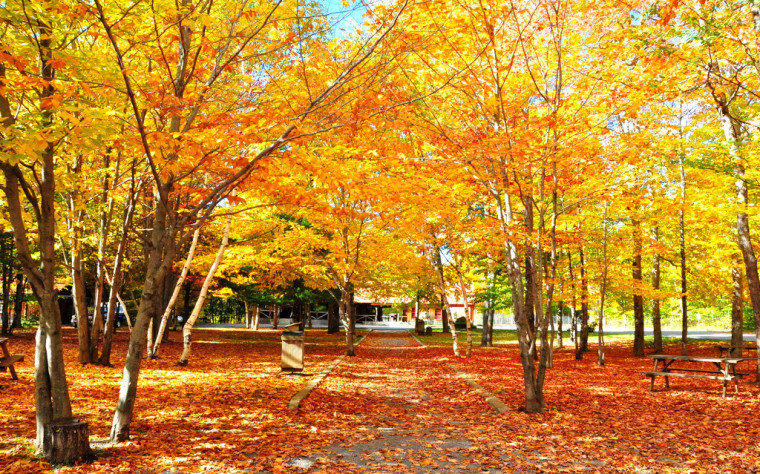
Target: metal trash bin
[292,351]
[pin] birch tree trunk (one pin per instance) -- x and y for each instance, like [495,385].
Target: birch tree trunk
[153,351]
[187,330]
[345,311]
[158,263]
[115,282]
[466,300]
[256,317]
[75,223]
[100,275]
[486,339]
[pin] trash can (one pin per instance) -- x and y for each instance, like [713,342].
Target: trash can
[292,351]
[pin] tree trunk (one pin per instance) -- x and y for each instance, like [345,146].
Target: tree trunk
[529,287]
[256,317]
[682,254]
[444,316]
[732,130]
[248,315]
[63,438]
[438,266]
[5,255]
[561,311]
[583,343]
[534,399]
[574,307]
[638,299]
[51,389]
[158,264]
[486,339]
[656,317]
[153,349]
[466,301]
[333,318]
[115,283]
[352,310]
[346,315]
[737,313]
[18,302]
[80,308]
[605,266]
[187,330]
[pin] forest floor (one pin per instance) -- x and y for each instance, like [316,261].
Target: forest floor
[395,407]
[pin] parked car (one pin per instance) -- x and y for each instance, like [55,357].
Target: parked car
[121,315]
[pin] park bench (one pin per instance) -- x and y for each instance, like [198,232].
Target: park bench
[725,369]
[7,360]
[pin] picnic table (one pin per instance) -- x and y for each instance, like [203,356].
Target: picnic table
[727,349]
[7,360]
[724,369]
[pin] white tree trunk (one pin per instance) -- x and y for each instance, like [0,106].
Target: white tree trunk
[187,330]
[153,351]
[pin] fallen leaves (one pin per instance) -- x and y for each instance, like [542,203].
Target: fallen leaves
[392,408]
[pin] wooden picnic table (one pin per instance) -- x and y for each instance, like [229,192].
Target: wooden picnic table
[725,369]
[727,349]
[7,360]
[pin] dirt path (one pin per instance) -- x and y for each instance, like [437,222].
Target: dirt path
[397,409]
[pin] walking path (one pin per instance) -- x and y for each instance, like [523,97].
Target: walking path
[406,416]
[400,407]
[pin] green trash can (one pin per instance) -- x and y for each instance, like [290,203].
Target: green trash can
[292,351]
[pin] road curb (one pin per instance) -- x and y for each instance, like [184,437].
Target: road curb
[296,400]
[492,399]
[414,336]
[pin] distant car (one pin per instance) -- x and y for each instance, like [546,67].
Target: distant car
[121,315]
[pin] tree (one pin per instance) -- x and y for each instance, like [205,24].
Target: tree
[29,99]
[187,97]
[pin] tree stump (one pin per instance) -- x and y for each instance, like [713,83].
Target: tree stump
[66,441]
[419,327]
[429,331]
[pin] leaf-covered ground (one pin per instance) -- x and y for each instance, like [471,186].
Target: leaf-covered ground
[395,407]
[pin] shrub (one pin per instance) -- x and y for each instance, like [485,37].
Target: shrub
[461,323]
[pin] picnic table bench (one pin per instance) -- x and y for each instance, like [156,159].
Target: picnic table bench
[725,369]
[7,360]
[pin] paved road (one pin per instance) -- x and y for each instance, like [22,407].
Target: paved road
[695,334]
[393,326]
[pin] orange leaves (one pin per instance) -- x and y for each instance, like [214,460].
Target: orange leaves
[393,407]
[52,102]
[227,412]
